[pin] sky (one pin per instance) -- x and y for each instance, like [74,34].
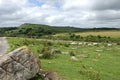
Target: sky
[77,13]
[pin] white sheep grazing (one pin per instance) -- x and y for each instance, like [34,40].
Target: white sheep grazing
[109,45]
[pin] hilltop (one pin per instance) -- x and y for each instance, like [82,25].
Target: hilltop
[37,30]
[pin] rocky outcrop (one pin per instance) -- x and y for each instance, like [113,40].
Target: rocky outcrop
[20,64]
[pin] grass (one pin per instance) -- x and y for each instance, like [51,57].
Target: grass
[99,65]
[113,33]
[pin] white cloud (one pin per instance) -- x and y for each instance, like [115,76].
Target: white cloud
[76,4]
[80,13]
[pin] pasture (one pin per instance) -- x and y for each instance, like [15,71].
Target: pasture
[112,33]
[94,61]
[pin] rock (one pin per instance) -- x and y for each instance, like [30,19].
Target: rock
[84,55]
[74,48]
[73,43]
[95,44]
[90,44]
[51,76]
[109,45]
[99,50]
[55,51]
[40,55]
[80,43]
[65,53]
[20,64]
[74,58]
[94,60]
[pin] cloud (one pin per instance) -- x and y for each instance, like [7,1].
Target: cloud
[79,13]
[106,5]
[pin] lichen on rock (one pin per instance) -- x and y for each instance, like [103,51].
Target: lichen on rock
[19,64]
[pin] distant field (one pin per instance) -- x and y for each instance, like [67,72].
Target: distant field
[100,62]
[114,34]
[103,33]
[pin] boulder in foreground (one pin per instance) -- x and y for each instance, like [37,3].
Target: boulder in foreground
[20,64]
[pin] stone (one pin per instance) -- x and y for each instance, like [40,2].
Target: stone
[65,53]
[74,58]
[19,64]
[84,55]
[51,76]
[109,45]
[55,51]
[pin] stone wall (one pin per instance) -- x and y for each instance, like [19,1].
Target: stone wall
[20,64]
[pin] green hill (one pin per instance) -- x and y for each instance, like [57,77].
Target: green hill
[39,30]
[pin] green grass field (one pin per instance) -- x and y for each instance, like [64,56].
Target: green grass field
[113,33]
[102,62]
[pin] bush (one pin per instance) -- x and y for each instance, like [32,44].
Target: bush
[72,53]
[66,45]
[118,43]
[47,43]
[46,53]
[90,73]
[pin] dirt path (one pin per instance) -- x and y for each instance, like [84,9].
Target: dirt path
[3,45]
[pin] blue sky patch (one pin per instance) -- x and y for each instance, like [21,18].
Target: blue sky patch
[57,5]
[36,2]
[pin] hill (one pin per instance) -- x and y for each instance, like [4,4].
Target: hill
[38,30]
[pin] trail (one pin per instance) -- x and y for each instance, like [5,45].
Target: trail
[3,46]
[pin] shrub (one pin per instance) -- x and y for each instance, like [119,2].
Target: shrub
[46,53]
[118,43]
[49,43]
[66,45]
[90,73]
[72,53]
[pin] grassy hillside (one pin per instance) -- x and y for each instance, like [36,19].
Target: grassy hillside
[38,30]
[94,62]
